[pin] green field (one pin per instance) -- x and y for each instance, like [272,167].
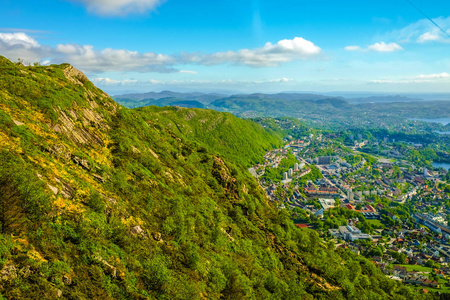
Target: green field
[416,268]
[375,223]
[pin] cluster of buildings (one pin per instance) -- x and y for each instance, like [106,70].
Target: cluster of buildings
[349,233]
[289,175]
[367,211]
[322,190]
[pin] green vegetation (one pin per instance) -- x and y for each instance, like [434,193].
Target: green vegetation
[242,141]
[416,268]
[112,203]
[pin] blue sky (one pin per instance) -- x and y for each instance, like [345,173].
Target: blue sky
[229,46]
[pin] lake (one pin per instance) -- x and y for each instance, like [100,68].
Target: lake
[443,121]
[442,132]
[441,165]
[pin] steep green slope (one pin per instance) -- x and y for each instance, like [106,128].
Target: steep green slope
[241,141]
[102,202]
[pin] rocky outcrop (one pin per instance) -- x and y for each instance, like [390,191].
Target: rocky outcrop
[223,176]
[67,191]
[75,76]
[8,273]
[107,267]
[67,126]
[82,162]
[138,231]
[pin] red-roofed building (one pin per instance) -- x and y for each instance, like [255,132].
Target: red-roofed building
[370,208]
[349,206]
[302,225]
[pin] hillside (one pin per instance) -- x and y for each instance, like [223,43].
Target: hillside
[98,201]
[239,140]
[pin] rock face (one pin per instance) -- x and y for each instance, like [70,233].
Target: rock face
[107,267]
[82,162]
[158,237]
[223,176]
[67,191]
[54,189]
[8,273]
[68,127]
[67,280]
[75,76]
[137,230]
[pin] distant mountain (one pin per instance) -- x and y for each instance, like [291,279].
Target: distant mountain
[284,96]
[201,97]
[384,98]
[327,111]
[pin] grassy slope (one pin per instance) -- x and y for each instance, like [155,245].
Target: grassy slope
[81,173]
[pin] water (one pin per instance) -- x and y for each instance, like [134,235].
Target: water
[442,132]
[441,165]
[443,121]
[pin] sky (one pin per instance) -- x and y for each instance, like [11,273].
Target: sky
[395,46]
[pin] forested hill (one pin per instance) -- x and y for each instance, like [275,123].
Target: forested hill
[98,201]
[242,141]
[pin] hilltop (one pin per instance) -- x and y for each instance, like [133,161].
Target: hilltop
[98,201]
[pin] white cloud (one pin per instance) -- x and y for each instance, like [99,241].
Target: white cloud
[429,37]
[188,72]
[383,47]
[377,47]
[109,81]
[18,39]
[434,76]
[87,59]
[422,78]
[119,7]
[20,45]
[281,80]
[352,48]
[268,56]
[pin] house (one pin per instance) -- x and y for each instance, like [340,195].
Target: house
[400,271]
[377,259]
[430,283]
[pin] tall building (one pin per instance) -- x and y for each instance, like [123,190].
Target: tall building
[285,176]
[296,167]
[350,195]
[425,172]
[291,172]
[324,160]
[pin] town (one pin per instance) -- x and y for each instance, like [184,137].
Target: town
[378,203]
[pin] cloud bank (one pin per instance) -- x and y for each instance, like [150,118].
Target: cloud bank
[377,47]
[119,7]
[422,78]
[88,59]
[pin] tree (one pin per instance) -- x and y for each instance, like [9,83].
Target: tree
[429,263]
